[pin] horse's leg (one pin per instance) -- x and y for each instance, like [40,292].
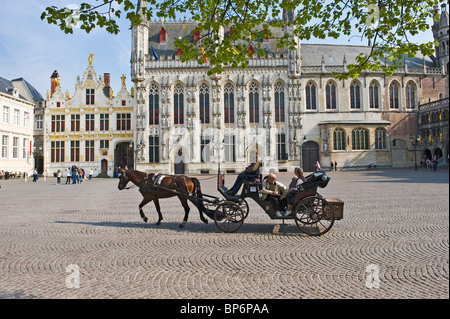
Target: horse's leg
[158,209]
[200,209]
[146,200]
[186,210]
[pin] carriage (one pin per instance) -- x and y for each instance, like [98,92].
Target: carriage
[313,214]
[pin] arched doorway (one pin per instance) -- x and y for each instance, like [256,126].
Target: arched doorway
[104,164]
[310,155]
[438,153]
[427,154]
[179,162]
[123,155]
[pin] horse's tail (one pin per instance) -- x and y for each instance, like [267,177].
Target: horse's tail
[198,193]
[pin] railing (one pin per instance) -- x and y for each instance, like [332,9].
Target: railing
[439,104]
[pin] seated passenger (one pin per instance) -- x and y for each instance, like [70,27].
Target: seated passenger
[247,174]
[275,192]
[297,180]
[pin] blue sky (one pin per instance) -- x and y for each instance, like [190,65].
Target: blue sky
[33,49]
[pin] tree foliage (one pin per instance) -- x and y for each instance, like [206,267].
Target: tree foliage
[387,24]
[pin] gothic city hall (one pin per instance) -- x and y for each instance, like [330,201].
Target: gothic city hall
[287,104]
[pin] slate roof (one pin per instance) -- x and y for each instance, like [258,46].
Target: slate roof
[26,90]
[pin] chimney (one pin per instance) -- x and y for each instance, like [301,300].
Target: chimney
[106,79]
[53,82]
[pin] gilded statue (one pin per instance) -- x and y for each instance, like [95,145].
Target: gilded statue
[123,77]
[91,57]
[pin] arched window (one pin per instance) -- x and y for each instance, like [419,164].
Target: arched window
[380,139]
[394,90]
[228,99]
[153,105]
[204,104]
[330,91]
[310,92]
[253,99]
[178,104]
[339,139]
[410,96]
[279,102]
[355,95]
[360,139]
[373,95]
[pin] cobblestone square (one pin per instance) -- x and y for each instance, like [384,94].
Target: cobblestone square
[392,243]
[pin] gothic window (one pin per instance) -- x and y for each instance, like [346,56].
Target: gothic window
[153,151]
[153,105]
[380,139]
[254,102]
[360,139]
[339,139]
[230,148]
[178,104]
[394,101]
[204,103]
[310,92]
[228,98]
[355,95]
[330,91]
[279,102]
[410,96]
[373,95]
[281,147]
[205,149]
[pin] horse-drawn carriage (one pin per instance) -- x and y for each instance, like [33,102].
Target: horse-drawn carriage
[313,214]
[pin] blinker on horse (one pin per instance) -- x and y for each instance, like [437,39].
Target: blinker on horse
[155,187]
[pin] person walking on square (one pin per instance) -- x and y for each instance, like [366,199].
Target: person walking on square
[35,176]
[317,166]
[74,174]
[331,166]
[335,166]
[68,175]
[58,177]
[91,172]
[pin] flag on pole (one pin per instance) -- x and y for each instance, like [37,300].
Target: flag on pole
[203,53]
[154,54]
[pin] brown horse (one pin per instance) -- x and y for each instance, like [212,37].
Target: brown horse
[154,187]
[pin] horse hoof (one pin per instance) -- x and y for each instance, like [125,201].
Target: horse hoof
[205,221]
[180,226]
[158,223]
[145,219]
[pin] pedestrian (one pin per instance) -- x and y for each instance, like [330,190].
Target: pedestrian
[331,166]
[335,166]
[91,172]
[317,166]
[35,176]
[68,175]
[74,174]
[80,176]
[58,177]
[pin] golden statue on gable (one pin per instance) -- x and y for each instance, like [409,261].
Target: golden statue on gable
[123,77]
[91,57]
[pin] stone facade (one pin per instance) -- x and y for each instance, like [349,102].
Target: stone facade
[286,103]
[92,129]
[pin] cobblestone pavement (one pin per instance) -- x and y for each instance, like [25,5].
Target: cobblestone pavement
[394,220]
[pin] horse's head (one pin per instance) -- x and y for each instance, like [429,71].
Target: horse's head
[124,179]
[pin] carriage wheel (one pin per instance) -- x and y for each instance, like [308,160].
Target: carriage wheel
[229,217]
[314,215]
[244,206]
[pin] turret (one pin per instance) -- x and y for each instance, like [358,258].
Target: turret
[441,34]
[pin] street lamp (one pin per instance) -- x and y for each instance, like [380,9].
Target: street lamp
[414,141]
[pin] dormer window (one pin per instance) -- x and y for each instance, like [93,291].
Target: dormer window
[250,50]
[265,35]
[162,35]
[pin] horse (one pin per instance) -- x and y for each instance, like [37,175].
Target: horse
[154,187]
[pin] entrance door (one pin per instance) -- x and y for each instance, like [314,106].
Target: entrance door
[310,155]
[104,166]
[179,162]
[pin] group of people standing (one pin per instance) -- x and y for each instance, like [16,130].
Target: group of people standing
[74,175]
